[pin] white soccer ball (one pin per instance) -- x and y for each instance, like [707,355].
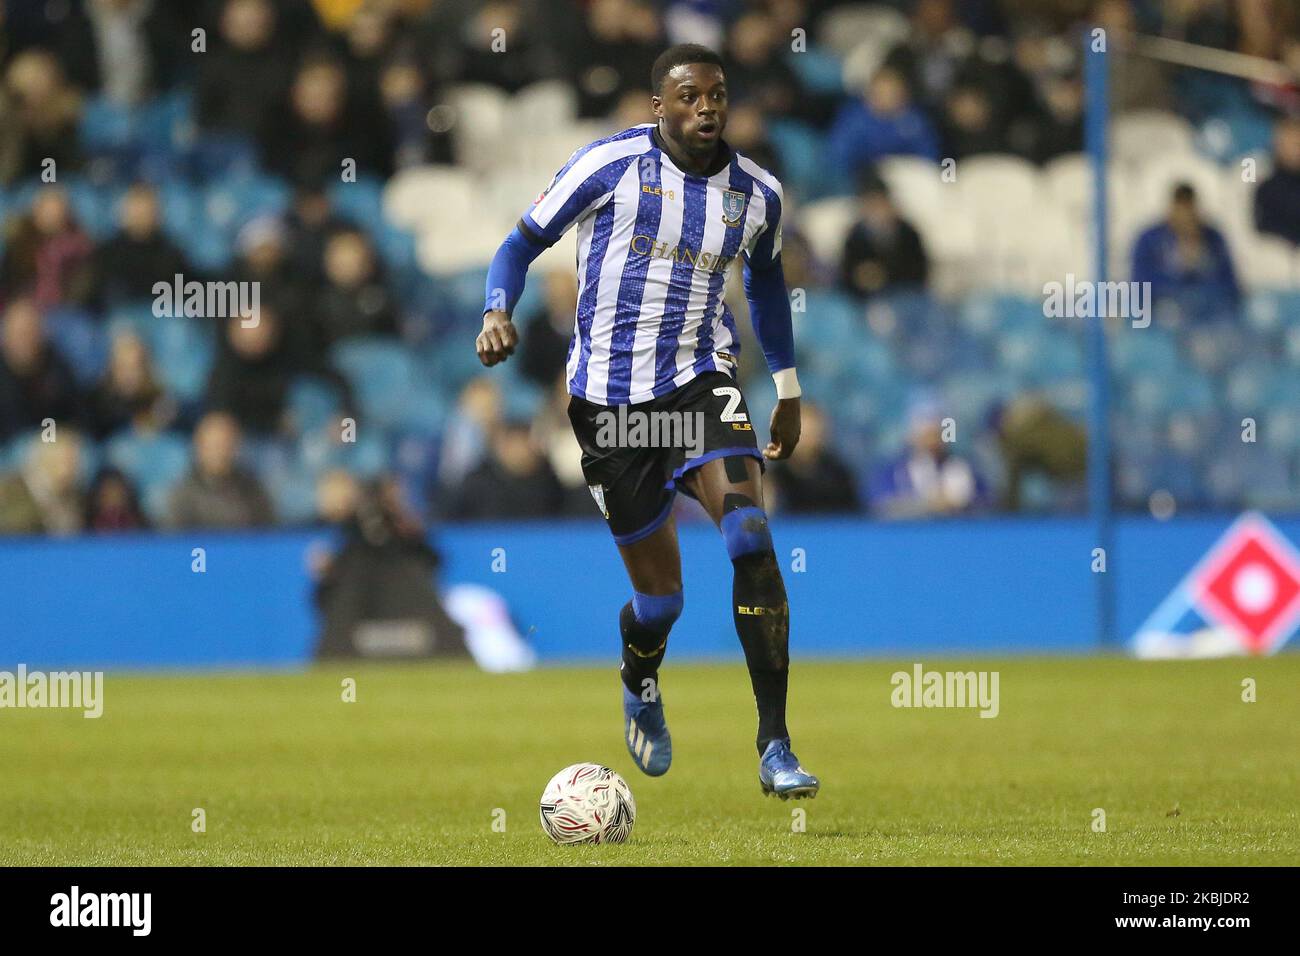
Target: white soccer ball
[588,803]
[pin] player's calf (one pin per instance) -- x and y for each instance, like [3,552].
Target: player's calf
[645,622]
[761,611]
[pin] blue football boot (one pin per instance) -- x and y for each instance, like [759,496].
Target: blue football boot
[647,733]
[779,772]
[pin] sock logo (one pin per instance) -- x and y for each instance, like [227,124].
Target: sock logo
[755,611]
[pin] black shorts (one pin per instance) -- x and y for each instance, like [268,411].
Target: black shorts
[634,456]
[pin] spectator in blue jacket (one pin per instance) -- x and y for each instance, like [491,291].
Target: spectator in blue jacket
[1185,258]
[883,123]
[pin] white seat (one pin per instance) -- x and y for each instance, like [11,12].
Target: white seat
[1068,180]
[825,224]
[843,28]
[542,106]
[419,194]
[998,182]
[1141,135]
[916,187]
[1266,262]
[480,126]
[454,246]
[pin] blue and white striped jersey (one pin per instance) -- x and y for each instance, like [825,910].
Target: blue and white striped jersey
[654,244]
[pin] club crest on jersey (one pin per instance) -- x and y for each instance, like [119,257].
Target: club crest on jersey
[733,207]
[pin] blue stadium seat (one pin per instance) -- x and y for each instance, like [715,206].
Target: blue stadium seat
[218,155]
[362,202]
[92,205]
[136,317]
[382,375]
[819,70]
[167,122]
[184,350]
[801,150]
[106,127]
[313,403]
[1144,352]
[425,412]
[81,340]
[293,494]
[154,462]
[367,457]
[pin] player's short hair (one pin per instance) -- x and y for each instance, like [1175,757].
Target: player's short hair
[1184,192]
[676,56]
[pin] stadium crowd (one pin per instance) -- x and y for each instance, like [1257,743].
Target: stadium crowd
[251,141]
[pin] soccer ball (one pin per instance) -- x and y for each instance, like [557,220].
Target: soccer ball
[588,803]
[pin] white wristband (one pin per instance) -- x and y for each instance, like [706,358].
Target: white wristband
[787,383]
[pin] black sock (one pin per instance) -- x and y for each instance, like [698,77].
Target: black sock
[763,624]
[643,652]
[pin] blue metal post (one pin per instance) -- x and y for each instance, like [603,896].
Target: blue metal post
[1096,123]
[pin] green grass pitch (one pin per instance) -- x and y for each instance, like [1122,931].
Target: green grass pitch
[416,770]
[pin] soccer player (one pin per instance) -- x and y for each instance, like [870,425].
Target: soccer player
[662,209]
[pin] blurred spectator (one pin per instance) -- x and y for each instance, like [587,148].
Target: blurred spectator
[931,57]
[747,133]
[310,222]
[544,350]
[759,74]
[244,75]
[468,35]
[882,251]
[129,395]
[465,436]
[48,256]
[112,504]
[1136,82]
[250,378]
[553,431]
[929,478]
[263,256]
[217,492]
[884,122]
[324,128]
[615,50]
[1034,438]
[1184,257]
[355,299]
[803,270]
[337,494]
[35,381]
[123,49]
[815,480]
[1058,130]
[376,593]
[421,125]
[41,116]
[516,481]
[45,495]
[969,124]
[1277,200]
[139,254]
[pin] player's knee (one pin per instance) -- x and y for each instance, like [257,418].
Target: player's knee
[657,612]
[744,528]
